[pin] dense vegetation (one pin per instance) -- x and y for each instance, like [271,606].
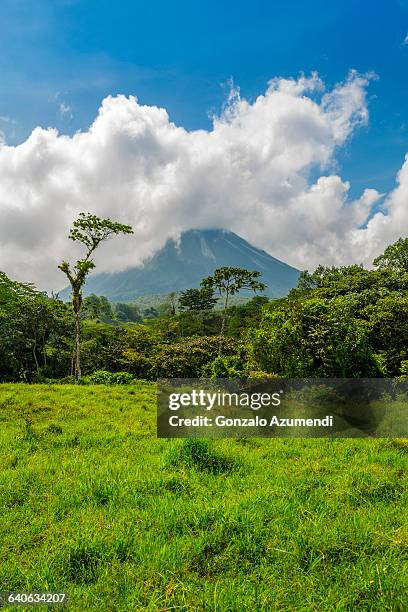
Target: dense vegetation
[94,504]
[339,322]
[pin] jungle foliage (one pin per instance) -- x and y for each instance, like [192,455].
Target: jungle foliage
[338,322]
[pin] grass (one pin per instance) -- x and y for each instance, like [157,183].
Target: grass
[92,503]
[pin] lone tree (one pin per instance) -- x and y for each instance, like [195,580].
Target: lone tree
[90,230]
[228,281]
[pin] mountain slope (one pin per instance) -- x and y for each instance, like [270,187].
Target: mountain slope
[178,266]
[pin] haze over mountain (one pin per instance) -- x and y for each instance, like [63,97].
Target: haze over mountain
[180,265]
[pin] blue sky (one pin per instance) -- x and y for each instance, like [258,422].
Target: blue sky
[59,58]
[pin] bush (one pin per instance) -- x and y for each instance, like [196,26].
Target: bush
[225,367]
[404,369]
[102,377]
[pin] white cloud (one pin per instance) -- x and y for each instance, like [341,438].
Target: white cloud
[250,174]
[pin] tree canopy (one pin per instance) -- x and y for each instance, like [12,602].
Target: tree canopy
[339,322]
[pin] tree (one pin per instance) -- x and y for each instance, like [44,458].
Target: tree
[173,299]
[187,359]
[388,320]
[29,321]
[150,312]
[128,313]
[316,337]
[197,299]
[228,281]
[329,277]
[245,316]
[394,258]
[89,230]
[98,308]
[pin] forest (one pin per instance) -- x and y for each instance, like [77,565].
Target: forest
[345,321]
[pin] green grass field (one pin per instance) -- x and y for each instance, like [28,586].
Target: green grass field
[93,504]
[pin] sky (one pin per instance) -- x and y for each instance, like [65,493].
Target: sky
[326,150]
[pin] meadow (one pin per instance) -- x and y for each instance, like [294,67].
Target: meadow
[92,503]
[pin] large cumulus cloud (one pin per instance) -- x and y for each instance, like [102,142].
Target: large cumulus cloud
[251,173]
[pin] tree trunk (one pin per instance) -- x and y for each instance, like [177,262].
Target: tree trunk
[77,363]
[223,319]
[77,300]
[221,334]
[35,357]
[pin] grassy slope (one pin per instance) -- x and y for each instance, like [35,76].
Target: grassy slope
[94,504]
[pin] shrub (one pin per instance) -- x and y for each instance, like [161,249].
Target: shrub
[404,369]
[102,377]
[225,367]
